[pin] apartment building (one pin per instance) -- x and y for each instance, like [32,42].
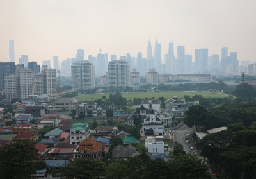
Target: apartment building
[26,76]
[151,76]
[118,73]
[11,87]
[83,75]
[135,79]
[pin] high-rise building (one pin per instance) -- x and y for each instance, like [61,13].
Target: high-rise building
[50,81]
[180,59]
[169,60]
[24,60]
[139,62]
[11,87]
[245,63]
[34,67]
[56,63]
[129,60]
[215,62]
[135,79]
[118,73]
[188,64]
[6,68]
[122,58]
[39,84]
[11,51]
[80,55]
[101,66]
[157,55]
[251,69]
[150,60]
[151,76]
[47,63]
[201,59]
[113,57]
[26,78]
[234,62]
[83,75]
[224,59]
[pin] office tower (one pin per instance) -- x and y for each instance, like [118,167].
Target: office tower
[118,73]
[80,55]
[251,69]
[188,64]
[106,59]
[113,57]
[201,59]
[50,81]
[11,51]
[34,67]
[135,79]
[47,63]
[151,76]
[170,49]
[39,84]
[6,68]
[101,65]
[139,62]
[26,78]
[180,59]
[234,62]
[215,61]
[122,58]
[56,62]
[169,59]
[83,75]
[24,60]
[92,59]
[224,59]
[129,60]
[19,66]
[157,55]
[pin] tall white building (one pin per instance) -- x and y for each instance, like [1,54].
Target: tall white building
[39,84]
[83,75]
[26,76]
[56,62]
[11,87]
[151,76]
[251,69]
[135,79]
[50,81]
[118,73]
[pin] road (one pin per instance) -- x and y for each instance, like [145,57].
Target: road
[180,135]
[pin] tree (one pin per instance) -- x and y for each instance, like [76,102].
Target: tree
[144,154]
[245,90]
[83,168]
[158,168]
[120,126]
[73,113]
[109,113]
[94,124]
[40,164]
[14,100]
[116,170]
[189,166]
[17,159]
[178,150]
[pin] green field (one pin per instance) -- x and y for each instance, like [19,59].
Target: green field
[7,136]
[142,95]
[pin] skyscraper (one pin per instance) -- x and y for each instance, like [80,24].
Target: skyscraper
[215,62]
[170,60]
[24,60]
[11,51]
[188,64]
[113,57]
[171,49]
[56,62]
[201,59]
[224,59]
[101,65]
[234,62]
[118,73]
[150,60]
[6,68]
[180,59]
[80,55]
[157,55]
[34,67]
[47,62]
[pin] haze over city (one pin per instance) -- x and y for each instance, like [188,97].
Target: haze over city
[43,29]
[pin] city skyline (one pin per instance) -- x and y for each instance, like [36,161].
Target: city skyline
[51,32]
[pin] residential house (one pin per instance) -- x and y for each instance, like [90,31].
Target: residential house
[22,128]
[129,140]
[124,152]
[138,116]
[103,140]
[49,141]
[104,131]
[36,111]
[63,122]
[62,151]
[91,109]
[24,118]
[64,103]
[122,134]
[42,148]
[89,148]
[155,144]
[53,133]
[121,116]
[56,164]
[6,129]
[3,142]
[178,106]
[20,108]
[78,132]
[64,135]
[52,117]
[26,135]
[42,124]
[153,125]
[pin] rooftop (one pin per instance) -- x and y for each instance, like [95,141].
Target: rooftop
[41,147]
[66,100]
[54,132]
[25,135]
[50,115]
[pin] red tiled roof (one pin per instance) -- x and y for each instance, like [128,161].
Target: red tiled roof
[25,135]
[121,135]
[41,147]
[63,150]
[90,145]
[64,135]
[49,115]
[23,125]
[7,127]
[63,119]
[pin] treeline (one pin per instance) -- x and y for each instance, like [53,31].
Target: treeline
[227,113]
[231,151]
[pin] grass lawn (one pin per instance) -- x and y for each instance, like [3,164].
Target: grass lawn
[156,95]
[7,136]
[168,141]
[171,154]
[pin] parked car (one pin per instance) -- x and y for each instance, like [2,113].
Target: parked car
[192,148]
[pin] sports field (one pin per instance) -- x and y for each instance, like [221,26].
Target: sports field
[142,95]
[7,136]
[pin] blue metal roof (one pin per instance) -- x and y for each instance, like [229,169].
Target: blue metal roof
[161,155]
[55,132]
[101,139]
[22,117]
[49,141]
[56,163]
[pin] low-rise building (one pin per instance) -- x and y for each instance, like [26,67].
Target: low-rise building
[24,118]
[53,133]
[36,111]
[155,144]
[22,128]
[52,117]
[121,116]
[124,152]
[153,125]
[64,103]
[89,148]
[78,132]
[42,148]
[26,135]
[42,124]
[104,131]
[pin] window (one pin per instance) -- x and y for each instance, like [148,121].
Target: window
[153,149]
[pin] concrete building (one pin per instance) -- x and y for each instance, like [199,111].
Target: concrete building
[67,103]
[151,76]
[26,78]
[152,125]
[34,67]
[24,60]
[104,79]
[118,73]
[39,86]
[192,77]
[11,51]
[50,81]
[135,79]
[56,63]
[6,68]
[47,63]
[251,69]
[78,132]
[11,87]
[80,55]
[83,75]
[155,144]
[165,78]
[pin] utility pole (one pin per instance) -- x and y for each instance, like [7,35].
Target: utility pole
[242,77]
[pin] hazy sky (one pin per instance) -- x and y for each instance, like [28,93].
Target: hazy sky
[45,28]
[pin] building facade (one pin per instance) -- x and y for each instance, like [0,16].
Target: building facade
[151,76]
[118,73]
